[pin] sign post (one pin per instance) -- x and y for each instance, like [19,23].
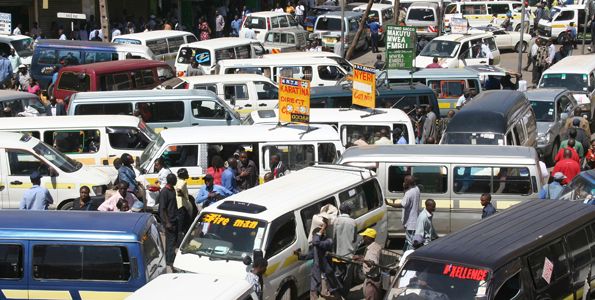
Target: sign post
[400,47]
[5,23]
[72,17]
[294,100]
[364,86]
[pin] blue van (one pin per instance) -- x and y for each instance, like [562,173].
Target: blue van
[77,254]
[51,53]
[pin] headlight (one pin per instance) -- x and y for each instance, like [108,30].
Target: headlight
[99,190]
[543,138]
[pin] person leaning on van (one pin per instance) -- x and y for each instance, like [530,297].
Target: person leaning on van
[409,204]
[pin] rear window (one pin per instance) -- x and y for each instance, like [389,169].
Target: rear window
[256,22]
[127,41]
[163,111]
[115,82]
[421,14]
[104,109]
[331,24]
[175,43]
[71,81]
[158,46]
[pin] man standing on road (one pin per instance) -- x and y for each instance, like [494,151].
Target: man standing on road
[14,58]
[372,284]
[219,25]
[552,190]
[254,277]
[299,13]
[583,122]
[344,235]
[532,52]
[249,32]
[6,71]
[236,24]
[429,130]
[374,27]
[488,208]
[409,204]
[425,227]
[168,214]
[37,197]
[568,166]
[379,64]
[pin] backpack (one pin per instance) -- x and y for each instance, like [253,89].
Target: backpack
[542,56]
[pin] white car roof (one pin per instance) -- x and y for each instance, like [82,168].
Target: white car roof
[17,140]
[458,37]
[375,6]
[334,115]
[576,64]
[219,42]
[65,122]
[150,35]
[267,14]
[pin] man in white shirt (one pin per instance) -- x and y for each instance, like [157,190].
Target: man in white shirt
[299,13]
[17,30]
[487,53]
[116,31]
[551,49]
[248,32]
[61,34]
[532,53]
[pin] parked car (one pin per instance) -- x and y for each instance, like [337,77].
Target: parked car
[328,28]
[505,39]
[263,21]
[551,107]
[316,11]
[285,40]
[383,14]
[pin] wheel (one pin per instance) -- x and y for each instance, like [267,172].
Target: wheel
[518,45]
[287,292]
[67,206]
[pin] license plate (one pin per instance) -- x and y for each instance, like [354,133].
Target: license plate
[329,40]
[421,29]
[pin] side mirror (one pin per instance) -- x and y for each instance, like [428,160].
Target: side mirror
[233,101]
[53,172]
[228,116]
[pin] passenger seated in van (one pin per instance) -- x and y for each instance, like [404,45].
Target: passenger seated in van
[398,137]
[358,139]
[211,192]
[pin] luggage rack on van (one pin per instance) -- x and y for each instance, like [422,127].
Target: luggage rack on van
[301,134]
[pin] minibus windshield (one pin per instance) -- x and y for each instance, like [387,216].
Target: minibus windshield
[224,236]
[150,151]
[188,54]
[473,138]
[436,280]
[57,159]
[23,47]
[572,82]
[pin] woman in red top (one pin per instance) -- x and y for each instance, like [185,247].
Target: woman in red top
[590,157]
[205,31]
[216,169]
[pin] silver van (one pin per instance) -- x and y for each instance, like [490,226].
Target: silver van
[328,28]
[424,17]
[158,108]
[454,176]
[285,40]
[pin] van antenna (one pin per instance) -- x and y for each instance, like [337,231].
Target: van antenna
[393,106]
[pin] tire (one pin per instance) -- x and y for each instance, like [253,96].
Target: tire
[518,45]
[287,292]
[67,206]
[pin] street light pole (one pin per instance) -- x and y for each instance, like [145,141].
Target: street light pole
[342,2]
[521,41]
[587,17]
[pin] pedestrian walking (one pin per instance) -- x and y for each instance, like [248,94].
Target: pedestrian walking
[168,212]
[572,146]
[568,166]
[185,209]
[379,64]
[578,133]
[583,122]
[85,202]
[248,176]
[552,190]
[321,245]
[236,24]
[6,71]
[228,178]
[216,169]
[345,237]
[255,276]
[429,125]
[409,204]
[123,193]
[210,192]
[424,229]
[219,25]
[488,208]
[540,63]
[204,29]
[374,27]
[37,197]
[23,77]
[434,64]
[532,53]
[372,284]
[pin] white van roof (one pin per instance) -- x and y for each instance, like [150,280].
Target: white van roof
[10,37]
[290,55]
[334,115]
[458,37]
[260,62]
[248,134]
[65,122]
[220,43]
[576,64]
[423,4]
[462,154]
[186,285]
[293,191]
[17,140]
[150,35]
[267,14]
[107,96]
[375,6]
[203,79]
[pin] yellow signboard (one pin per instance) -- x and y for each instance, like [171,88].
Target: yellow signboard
[364,86]
[294,100]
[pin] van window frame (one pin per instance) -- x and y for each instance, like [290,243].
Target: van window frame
[20,272]
[275,228]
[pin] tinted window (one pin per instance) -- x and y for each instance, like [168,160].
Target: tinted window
[73,141]
[554,254]
[74,82]
[326,152]
[257,22]
[282,236]
[127,138]
[158,46]
[162,111]
[115,82]
[222,54]
[207,110]
[104,109]
[500,9]
[294,157]
[81,262]
[429,179]
[181,156]
[492,180]
[93,57]
[22,163]
[11,261]
[266,91]
[581,255]
[242,51]
[144,79]
[421,14]
[175,43]
[54,57]
[566,15]
[473,9]
[362,198]
[237,91]
[329,73]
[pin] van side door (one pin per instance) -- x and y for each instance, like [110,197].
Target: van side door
[81,145]
[552,257]
[21,164]
[267,94]
[282,241]
[14,268]
[237,95]
[294,156]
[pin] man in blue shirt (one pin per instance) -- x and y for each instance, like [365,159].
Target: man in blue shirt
[6,70]
[210,192]
[374,27]
[235,26]
[488,208]
[37,197]
[553,190]
[228,177]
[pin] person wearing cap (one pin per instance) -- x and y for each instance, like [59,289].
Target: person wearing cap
[138,207]
[211,192]
[424,231]
[372,287]
[111,203]
[23,78]
[37,197]
[553,189]
[168,213]
[488,208]
[320,246]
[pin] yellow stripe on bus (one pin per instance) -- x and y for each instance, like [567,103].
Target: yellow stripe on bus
[444,105]
[93,295]
[49,295]
[373,220]
[25,185]
[558,25]
[271,269]
[61,186]
[86,161]
[470,204]
[15,294]
[504,204]
[290,261]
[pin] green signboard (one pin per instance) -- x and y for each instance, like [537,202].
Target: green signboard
[400,47]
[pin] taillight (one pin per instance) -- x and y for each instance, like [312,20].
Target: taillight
[381,30]
[181,73]
[268,24]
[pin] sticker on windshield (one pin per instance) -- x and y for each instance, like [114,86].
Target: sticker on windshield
[203,57]
[465,272]
[487,136]
[548,268]
[254,21]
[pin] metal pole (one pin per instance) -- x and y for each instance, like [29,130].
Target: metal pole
[520,62]
[342,27]
[587,17]
[441,18]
